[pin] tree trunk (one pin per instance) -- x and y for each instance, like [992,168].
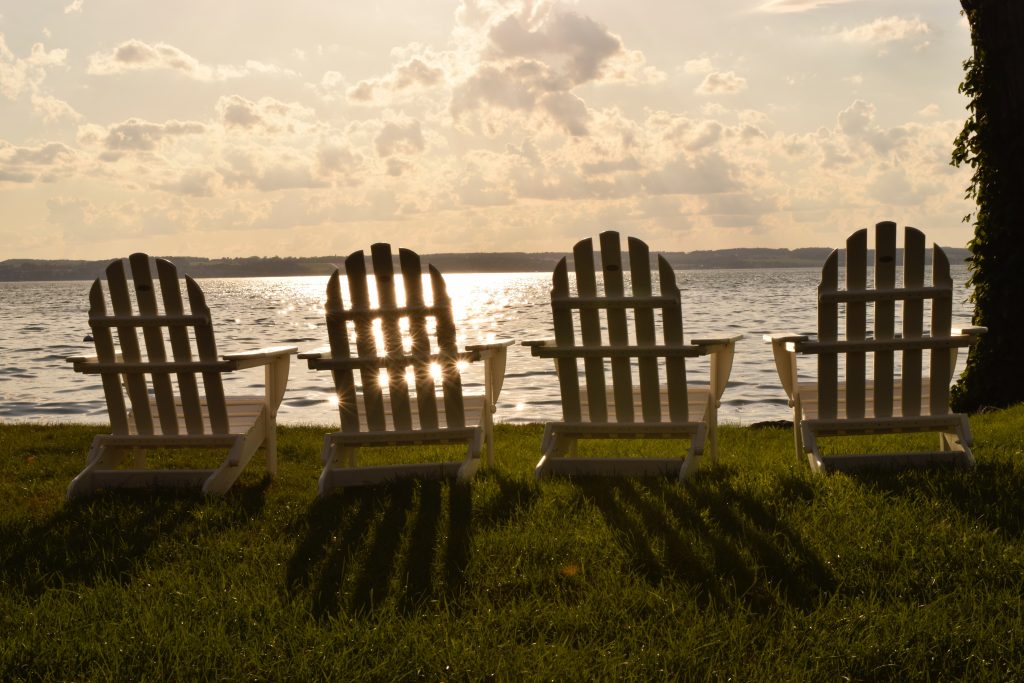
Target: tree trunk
[993,143]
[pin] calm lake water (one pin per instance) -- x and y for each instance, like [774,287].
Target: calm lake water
[41,323]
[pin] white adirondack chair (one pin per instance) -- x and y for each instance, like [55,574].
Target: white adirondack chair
[155,416]
[660,404]
[401,409]
[883,402]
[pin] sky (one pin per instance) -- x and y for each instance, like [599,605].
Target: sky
[316,127]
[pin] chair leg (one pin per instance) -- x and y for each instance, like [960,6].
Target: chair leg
[554,445]
[227,474]
[472,462]
[692,461]
[84,483]
[270,444]
[810,444]
[797,428]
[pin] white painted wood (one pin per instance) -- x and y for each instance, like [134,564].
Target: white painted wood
[618,333]
[210,420]
[828,331]
[568,380]
[384,276]
[590,329]
[885,317]
[373,415]
[913,320]
[672,332]
[856,316]
[643,320]
[885,404]
[419,338]
[653,407]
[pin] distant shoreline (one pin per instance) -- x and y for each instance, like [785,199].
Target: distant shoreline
[24,270]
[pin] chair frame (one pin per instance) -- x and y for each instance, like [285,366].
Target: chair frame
[587,410]
[154,415]
[371,417]
[860,406]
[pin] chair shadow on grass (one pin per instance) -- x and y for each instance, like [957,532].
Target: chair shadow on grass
[407,540]
[716,538]
[107,536]
[356,544]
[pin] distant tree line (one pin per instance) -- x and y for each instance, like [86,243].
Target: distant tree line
[497,262]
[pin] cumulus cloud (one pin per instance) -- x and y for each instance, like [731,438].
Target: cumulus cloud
[705,175]
[45,162]
[53,109]
[195,183]
[399,138]
[74,7]
[136,55]
[534,56]
[857,122]
[135,135]
[412,76]
[267,113]
[700,65]
[20,75]
[721,83]
[885,30]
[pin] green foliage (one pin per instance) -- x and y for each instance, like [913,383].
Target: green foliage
[992,144]
[753,570]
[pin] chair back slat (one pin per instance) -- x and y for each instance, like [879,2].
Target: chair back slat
[206,348]
[181,346]
[942,319]
[618,333]
[398,389]
[672,325]
[145,296]
[643,320]
[106,353]
[447,353]
[885,316]
[828,330]
[913,321]
[120,300]
[856,321]
[337,337]
[366,342]
[590,330]
[568,380]
[412,276]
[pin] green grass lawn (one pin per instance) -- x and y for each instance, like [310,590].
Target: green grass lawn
[754,570]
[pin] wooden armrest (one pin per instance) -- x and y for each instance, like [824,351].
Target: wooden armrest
[91,358]
[716,341]
[784,337]
[319,352]
[973,331]
[257,357]
[491,346]
[871,345]
[538,342]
